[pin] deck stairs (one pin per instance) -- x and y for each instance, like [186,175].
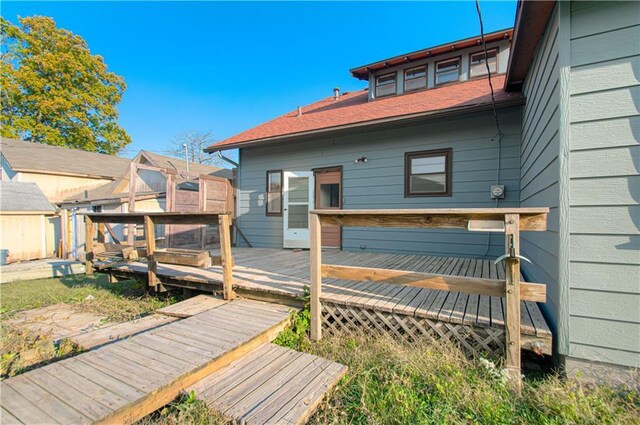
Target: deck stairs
[223,354]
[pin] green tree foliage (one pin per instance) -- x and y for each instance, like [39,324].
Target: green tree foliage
[55,91]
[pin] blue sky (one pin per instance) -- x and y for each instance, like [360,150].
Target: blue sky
[225,67]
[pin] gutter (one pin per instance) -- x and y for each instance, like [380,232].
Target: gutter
[372,123]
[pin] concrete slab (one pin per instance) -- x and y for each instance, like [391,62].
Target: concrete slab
[40,269]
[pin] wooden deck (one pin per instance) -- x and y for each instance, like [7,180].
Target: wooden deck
[270,385]
[275,274]
[126,380]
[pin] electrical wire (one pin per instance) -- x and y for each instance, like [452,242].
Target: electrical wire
[498,137]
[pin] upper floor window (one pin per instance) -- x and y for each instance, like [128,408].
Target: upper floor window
[477,63]
[427,173]
[415,78]
[448,71]
[386,85]
[274,192]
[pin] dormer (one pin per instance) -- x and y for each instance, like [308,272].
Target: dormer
[436,66]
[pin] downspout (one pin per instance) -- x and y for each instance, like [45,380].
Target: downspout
[229,160]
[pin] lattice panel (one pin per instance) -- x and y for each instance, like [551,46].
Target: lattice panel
[474,341]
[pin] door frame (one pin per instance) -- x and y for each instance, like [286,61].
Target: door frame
[285,205]
[340,198]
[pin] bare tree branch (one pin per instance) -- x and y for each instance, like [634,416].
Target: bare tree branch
[196,141]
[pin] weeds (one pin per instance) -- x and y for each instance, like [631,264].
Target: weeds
[185,410]
[432,382]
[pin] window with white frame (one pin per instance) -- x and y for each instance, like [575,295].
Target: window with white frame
[415,78]
[478,63]
[386,85]
[447,71]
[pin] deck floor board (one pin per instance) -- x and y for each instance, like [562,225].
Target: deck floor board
[286,273]
[114,380]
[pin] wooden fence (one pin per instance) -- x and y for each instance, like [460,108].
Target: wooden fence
[149,220]
[511,221]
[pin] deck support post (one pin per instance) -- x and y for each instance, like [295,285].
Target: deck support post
[88,247]
[512,297]
[226,257]
[316,276]
[150,236]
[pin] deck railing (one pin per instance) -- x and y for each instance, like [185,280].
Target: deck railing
[149,220]
[510,221]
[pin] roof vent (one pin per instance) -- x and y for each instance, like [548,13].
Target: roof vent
[299,111]
[336,93]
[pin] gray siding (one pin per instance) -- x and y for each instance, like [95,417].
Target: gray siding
[379,183]
[540,172]
[604,301]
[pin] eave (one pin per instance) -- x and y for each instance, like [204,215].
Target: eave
[368,125]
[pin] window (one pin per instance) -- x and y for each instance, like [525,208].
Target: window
[386,85]
[448,71]
[329,195]
[477,66]
[415,78]
[427,173]
[274,192]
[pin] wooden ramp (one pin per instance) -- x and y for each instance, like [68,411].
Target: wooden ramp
[128,379]
[270,385]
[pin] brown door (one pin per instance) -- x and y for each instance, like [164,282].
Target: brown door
[328,196]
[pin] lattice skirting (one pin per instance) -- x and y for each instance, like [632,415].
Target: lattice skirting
[474,341]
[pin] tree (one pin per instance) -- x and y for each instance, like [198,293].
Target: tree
[55,91]
[196,141]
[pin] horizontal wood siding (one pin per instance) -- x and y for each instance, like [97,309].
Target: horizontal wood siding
[540,166]
[379,182]
[605,182]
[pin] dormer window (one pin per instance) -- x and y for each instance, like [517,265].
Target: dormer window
[386,85]
[447,71]
[477,63]
[415,78]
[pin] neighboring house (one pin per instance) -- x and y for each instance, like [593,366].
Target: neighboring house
[59,172]
[27,228]
[153,174]
[423,134]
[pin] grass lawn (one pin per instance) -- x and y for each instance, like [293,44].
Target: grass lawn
[119,302]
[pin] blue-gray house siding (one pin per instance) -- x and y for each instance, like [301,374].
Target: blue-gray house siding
[604,182]
[580,156]
[379,183]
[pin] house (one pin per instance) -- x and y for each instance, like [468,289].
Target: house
[560,129]
[161,183]
[59,172]
[27,222]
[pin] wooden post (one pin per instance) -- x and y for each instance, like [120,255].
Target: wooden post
[316,277]
[202,192]
[101,233]
[150,236]
[226,256]
[88,246]
[133,175]
[170,196]
[512,320]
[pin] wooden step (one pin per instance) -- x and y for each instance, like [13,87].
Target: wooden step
[270,385]
[128,379]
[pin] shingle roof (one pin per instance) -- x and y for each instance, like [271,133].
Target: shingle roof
[178,164]
[355,109]
[106,191]
[23,196]
[41,158]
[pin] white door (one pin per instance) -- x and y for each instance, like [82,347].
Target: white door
[298,198]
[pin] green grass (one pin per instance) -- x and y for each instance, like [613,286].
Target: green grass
[432,382]
[118,302]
